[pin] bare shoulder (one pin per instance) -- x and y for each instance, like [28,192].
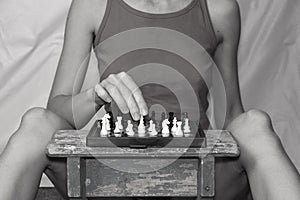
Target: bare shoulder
[225,15]
[90,12]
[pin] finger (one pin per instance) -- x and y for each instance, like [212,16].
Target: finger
[116,95]
[101,93]
[127,95]
[135,90]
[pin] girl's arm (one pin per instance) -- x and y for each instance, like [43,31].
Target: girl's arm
[66,99]
[226,21]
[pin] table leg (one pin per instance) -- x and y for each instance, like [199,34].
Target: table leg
[206,178]
[76,178]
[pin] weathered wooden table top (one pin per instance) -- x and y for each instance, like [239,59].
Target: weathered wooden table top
[72,143]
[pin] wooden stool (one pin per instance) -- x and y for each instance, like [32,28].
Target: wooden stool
[190,172]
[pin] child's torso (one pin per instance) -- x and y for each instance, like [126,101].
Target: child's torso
[166,54]
[169,57]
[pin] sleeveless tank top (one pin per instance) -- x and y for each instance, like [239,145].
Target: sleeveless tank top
[167,55]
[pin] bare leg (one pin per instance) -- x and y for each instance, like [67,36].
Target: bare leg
[271,173]
[23,160]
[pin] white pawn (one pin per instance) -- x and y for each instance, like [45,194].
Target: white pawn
[141,128]
[165,128]
[103,132]
[119,120]
[129,129]
[174,127]
[150,126]
[186,128]
[117,131]
[179,132]
[153,131]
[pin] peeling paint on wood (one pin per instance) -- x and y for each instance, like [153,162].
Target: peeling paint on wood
[73,174]
[73,142]
[207,177]
[168,181]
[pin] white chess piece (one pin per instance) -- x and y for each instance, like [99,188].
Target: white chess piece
[141,128]
[107,117]
[153,131]
[150,125]
[174,127]
[103,132]
[117,131]
[129,129]
[179,132]
[186,128]
[119,120]
[165,128]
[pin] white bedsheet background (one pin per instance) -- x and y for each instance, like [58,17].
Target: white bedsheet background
[31,36]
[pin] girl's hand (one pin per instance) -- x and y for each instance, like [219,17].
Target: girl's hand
[124,91]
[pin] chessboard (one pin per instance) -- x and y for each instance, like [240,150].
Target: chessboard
[169,132]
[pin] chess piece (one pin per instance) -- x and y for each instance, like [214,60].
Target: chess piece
[150,125]
[186,128]
[103,132]
[110,117]
[179,132]
[153,132]
[174,127]
[107,122]
[129,129]
[117,131]
[171,117]
[141,128]
[165,128]
[119,120]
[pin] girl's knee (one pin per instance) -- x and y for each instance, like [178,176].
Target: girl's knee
[37,126]
[250,119]
[43,119]
[35,115]
[259,119]
[258,115]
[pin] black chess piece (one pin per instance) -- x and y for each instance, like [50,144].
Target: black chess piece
[111,120]
[171,117]
[146,120]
